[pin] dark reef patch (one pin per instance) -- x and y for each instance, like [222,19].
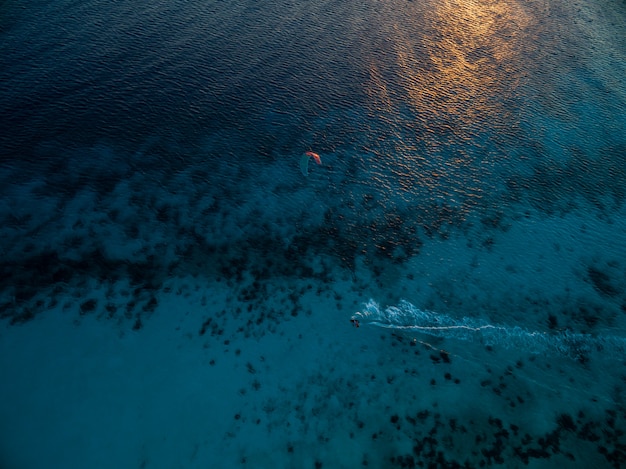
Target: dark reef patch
[88,306]
[602,282]
[503,445]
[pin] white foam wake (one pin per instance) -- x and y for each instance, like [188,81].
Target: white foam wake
[409,318]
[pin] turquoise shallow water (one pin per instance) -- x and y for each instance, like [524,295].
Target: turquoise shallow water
[472,163]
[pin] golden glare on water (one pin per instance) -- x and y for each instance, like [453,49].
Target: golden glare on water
[461,68]
[455,72]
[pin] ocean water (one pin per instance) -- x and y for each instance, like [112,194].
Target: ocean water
[178,290]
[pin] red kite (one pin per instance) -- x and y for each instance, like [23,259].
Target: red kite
[304,161]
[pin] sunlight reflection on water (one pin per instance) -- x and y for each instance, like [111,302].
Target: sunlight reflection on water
[449,84]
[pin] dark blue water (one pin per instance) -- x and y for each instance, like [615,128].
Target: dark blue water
[473,162]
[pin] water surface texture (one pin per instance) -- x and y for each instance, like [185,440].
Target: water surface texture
[178,288]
